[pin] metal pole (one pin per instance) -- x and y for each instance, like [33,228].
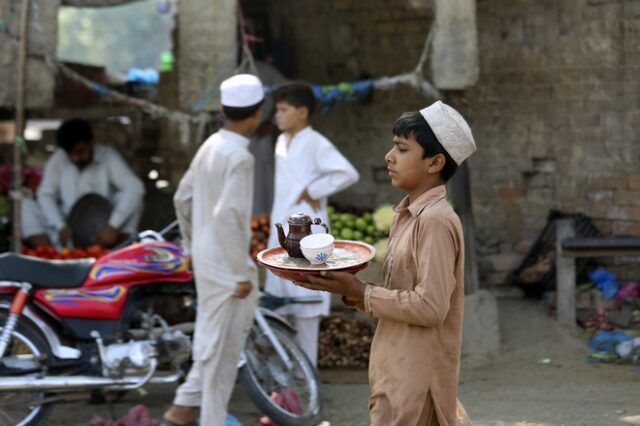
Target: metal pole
[19,142]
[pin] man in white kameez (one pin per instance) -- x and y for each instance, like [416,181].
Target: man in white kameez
[309,168]
[77,168]
[213,205]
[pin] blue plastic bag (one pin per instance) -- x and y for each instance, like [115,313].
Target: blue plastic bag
[606,341]
[147,76]
[605,281]
[231,421]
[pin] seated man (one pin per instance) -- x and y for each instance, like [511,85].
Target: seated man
[77,168]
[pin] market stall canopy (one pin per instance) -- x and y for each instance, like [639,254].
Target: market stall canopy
[96,3]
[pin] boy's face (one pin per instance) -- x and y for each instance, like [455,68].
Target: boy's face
[290,118]
[407,169]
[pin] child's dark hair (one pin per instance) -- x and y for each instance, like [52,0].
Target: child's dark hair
[413,123]
[72,132]
[296,93]
[240,113]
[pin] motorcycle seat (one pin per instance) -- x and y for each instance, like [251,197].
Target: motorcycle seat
[44,273]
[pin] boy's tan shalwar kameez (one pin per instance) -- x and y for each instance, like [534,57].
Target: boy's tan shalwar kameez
[415,355]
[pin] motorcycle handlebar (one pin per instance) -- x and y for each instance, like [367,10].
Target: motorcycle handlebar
[148,234]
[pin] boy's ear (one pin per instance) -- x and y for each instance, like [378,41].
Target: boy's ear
[436,164]
[304,112]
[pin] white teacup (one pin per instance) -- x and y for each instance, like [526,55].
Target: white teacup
[317,248]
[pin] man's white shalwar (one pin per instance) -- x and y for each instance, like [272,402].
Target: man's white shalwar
[309,161]
[213,205]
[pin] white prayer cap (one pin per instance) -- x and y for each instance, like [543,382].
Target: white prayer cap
[451,129]
[242,90]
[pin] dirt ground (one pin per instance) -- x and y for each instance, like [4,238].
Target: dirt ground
[512,389]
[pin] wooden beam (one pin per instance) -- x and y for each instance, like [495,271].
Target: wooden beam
[90,113]
[459,188]
[601,246]
[19,142]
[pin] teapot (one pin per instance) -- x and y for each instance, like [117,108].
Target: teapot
[299,227]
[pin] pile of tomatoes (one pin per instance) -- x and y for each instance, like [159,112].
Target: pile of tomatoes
[94,251]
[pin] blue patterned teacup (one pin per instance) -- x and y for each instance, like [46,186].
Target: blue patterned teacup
[317,248]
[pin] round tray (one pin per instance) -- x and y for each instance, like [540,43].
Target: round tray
[348,256]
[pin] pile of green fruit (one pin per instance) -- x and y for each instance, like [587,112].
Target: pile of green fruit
[358,227]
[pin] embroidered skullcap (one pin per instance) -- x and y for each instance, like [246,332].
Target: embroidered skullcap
[451,129]
[242,90]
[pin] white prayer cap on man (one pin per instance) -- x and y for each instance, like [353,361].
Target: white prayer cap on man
[451,129]
[242,90]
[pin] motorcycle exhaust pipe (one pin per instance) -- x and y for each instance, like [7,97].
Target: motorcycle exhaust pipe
[59,383]
[51,383]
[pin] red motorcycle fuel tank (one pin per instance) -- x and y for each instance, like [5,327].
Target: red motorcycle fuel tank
[104,294]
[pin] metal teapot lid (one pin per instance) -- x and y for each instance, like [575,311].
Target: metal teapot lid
[299,219]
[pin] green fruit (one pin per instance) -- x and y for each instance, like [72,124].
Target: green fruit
[371,231]
[360,224]
[330,210]
[368,217]
[358,235]
[369,239]
[346,234]
[347,217]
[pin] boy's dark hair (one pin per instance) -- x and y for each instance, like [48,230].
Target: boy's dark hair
[240,113]
[296,93]
[413,123]
[72,132]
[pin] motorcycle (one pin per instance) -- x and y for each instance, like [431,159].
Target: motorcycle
[69,329]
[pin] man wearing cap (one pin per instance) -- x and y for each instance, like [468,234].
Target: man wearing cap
[415,354]
[213,205]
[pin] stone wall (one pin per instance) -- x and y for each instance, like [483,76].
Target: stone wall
[43,37]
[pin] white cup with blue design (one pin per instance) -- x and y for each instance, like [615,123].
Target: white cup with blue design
[317,248]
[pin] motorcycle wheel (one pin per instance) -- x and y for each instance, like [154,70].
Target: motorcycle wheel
[25,347]
[287,397]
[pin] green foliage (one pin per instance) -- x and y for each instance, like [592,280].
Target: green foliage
[133,35]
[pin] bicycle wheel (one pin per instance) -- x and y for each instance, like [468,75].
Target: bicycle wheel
[290,397]
[25,350]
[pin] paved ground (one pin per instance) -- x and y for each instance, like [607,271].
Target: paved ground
[513,389]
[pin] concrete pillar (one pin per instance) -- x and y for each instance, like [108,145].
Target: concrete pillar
[565,275]
[207,42]
[43,39]
[454,52]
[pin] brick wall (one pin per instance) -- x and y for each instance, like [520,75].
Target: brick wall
[554,114]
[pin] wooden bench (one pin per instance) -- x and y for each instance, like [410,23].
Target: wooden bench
[568,248]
